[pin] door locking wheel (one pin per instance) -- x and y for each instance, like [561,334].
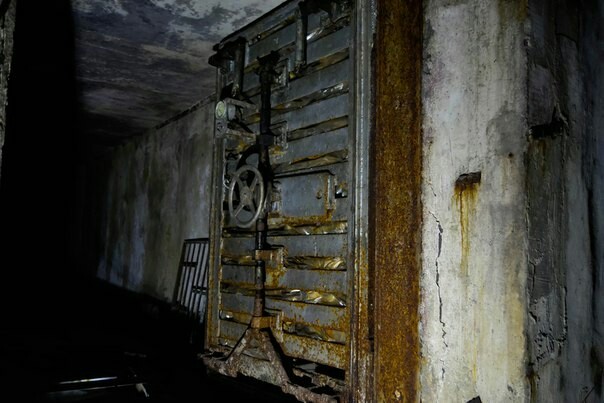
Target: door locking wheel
[246,196]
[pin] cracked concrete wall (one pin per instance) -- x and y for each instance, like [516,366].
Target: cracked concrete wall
[512,282]
[565,201]
[155,195]
[473,309]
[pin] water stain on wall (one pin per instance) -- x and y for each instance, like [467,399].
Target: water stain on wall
[466,196]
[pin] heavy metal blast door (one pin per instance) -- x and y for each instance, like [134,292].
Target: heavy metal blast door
[288,264]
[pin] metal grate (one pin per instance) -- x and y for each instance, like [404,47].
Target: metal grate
[191,292]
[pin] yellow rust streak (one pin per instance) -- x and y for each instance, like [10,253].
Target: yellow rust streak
[239,317]
[466,195]
[307,296]
[284,294]
[318,128]
[307,226]
[331,354]
[316,263]
[313,161]
[241,260]
[396,200]
[314,332]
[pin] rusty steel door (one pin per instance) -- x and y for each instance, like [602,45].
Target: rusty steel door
[288,280]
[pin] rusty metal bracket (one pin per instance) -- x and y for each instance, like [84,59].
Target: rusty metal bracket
[257,337]
[224,131]
[231,109]
[229,58]
[261,322]
[274,266]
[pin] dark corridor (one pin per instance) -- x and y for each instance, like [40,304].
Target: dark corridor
[99,333]
[59,325]
[129,347]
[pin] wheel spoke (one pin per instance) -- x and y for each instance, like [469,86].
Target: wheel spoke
[240,183]
[253,185]
[246,193]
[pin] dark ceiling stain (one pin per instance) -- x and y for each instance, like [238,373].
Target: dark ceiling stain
[250,13]
[140,62]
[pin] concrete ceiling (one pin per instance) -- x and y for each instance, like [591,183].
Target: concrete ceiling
[140,62]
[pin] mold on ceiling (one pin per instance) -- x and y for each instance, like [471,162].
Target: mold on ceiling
[141,62]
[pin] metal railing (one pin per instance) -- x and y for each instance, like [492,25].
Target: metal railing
[191,291]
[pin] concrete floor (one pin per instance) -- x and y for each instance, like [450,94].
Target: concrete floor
[85,330]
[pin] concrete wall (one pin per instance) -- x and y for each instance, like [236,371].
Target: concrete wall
[512,282]
[156,194]
[566,201]
[7,28]
[473,309]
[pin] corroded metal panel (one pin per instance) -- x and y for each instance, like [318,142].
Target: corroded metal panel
[309,267]
[298,270]
[396,184]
